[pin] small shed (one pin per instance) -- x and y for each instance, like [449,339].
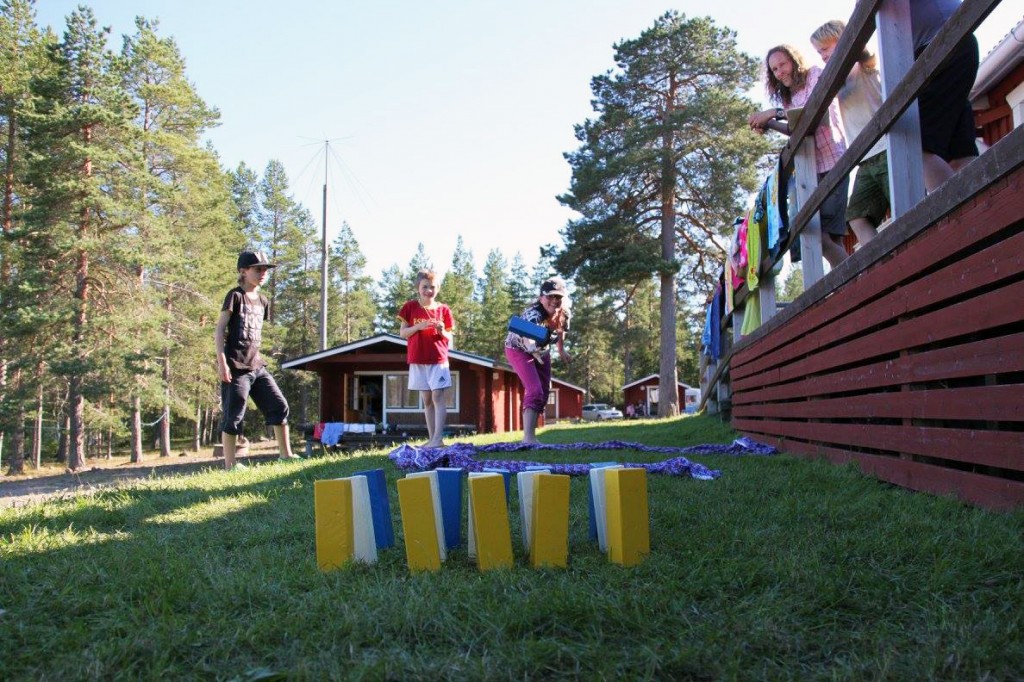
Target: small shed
[643,395]
[366,381]
[998,93]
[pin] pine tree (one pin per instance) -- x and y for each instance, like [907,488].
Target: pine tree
[351,291]
[495,307]
[661,168]
[457,292]
[83,162]
[393,290]
[22,56]
[520,286]
[793,286]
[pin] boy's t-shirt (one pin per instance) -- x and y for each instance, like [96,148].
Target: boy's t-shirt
[244,330]
[426,347]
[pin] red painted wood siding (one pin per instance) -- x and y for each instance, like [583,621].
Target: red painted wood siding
[914,368]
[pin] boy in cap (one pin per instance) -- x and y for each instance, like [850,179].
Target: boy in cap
[243,373]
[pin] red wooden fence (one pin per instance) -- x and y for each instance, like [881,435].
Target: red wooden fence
[908,359]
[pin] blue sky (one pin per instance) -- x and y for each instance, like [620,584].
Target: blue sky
[446,118]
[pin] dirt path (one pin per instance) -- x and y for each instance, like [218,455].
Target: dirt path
[53,482]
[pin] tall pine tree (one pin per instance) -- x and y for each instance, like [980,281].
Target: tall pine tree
[662,169]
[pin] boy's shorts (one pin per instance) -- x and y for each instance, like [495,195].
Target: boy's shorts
[870,196]
[259,385]
[833,208]
[429,377]
[947,119]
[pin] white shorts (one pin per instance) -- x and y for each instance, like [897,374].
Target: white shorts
[429,377]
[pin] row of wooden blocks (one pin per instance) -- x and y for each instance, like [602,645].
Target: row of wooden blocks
[353,516]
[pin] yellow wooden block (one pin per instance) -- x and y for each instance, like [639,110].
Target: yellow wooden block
[492,535]
[417,506]
[629,525]
[335,536]
[549,545]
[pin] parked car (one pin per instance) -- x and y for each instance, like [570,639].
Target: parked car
[600,412]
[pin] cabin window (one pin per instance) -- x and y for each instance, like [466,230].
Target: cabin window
[398,396]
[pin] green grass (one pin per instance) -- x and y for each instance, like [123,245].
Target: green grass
[780,569]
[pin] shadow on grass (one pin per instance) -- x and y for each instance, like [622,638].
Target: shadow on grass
[781,568]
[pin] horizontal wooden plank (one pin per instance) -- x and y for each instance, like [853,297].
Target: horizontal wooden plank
[1003,449]
[993,309]
[978,358]
[990,492]
[983,403]
[968,225]
[997,263]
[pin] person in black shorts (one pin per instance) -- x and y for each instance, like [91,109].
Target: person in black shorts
[947,119]
[243,373]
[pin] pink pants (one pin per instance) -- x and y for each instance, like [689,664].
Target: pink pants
[535,376]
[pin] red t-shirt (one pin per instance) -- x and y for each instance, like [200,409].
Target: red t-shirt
[428,346]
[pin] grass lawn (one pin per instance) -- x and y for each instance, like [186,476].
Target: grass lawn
[780,569]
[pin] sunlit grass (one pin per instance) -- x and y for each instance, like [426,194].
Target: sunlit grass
[780,569]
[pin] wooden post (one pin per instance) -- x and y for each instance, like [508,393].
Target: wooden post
[906,164]
[810,239]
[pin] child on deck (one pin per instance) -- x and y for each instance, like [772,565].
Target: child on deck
[427,325]
[243,373]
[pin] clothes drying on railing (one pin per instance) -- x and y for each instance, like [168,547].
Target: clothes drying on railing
[711,340]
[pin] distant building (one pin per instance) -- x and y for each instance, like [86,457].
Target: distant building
[366,381]
[645,392]
[998,93]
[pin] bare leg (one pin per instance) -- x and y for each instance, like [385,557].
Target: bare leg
[227,441]
[440,417]
[530,426]
[284,444]
[936,171]
[428,415]
[957,164]
[863,229]
[834,252]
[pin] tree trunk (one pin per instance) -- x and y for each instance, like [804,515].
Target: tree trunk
[37,433]
[165,424]
[76,415]
[62,439]
[17,465]
[164,437]
[197,435]
[668,392]
[136,446]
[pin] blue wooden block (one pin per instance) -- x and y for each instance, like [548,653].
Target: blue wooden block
[529,330]
[590,499]
[380,507]
[449,481]
[507,475]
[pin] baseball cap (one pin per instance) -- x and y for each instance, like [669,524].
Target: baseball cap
[247,259]
[555,286]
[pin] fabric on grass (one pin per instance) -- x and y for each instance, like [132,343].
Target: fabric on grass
[464,456]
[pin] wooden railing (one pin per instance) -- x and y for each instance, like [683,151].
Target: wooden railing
[903,78]
[907,358]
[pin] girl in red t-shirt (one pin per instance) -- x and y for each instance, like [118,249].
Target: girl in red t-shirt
[427,326]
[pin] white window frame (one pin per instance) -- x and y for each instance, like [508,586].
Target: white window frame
[456,407]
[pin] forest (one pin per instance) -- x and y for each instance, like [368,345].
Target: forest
[121,226]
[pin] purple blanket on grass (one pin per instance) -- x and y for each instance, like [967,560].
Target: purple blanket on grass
[463,455]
